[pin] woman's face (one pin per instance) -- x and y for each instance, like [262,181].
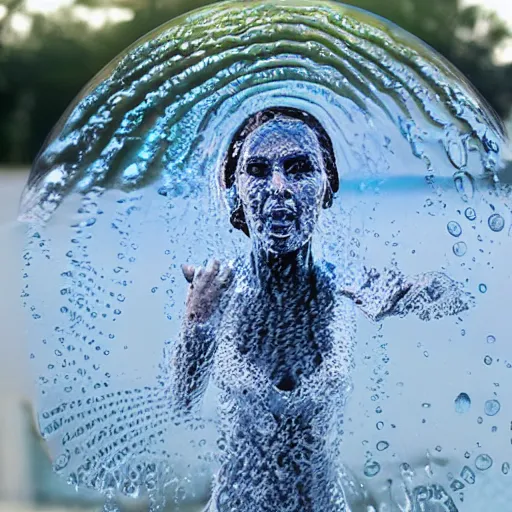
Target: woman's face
[281,181]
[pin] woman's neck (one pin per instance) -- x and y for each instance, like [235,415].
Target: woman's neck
[283,269]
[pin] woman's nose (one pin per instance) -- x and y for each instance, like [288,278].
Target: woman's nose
[280,183]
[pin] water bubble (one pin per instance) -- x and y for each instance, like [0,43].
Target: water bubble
[492,407]
[462,403]
[454,228]
[459,248]
[470,213]
[482,287]
[468,475]
[491,338]
[382,445]
[464,183]
[483,462]
[456,485]
[496,222]
[505,468]
[488,360]
[371,468]
[380,425]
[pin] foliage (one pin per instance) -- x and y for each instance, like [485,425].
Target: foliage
[42,73]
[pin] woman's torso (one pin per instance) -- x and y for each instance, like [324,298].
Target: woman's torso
[276,456]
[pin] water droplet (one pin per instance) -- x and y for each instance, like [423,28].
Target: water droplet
[483,462]
[482,287]
[463,182]
[454,228]
[456,485]
[382,445]
[488,360]
[491,338]
[492,407]
[468,475]
[470,213]
[371,468]
[496,222]
[505,468]
[460,248]
[462,403]
[380,425]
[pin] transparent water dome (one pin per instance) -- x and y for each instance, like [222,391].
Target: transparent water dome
[130,186]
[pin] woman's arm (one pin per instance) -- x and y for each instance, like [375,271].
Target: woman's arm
[192,355]
[430,296]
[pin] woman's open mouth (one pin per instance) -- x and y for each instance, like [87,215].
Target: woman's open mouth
[282,221]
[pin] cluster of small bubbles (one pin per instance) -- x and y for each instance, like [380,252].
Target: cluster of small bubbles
[492,407]
[468,475]
[505,468]
[482,287]
[488,360]
[470,213]
[491,338]
[462,403]
[496,222]
[460,248]
[371,468]
[483,462]
[454,228]
[382,445]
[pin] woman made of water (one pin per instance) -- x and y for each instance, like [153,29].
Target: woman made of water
[276,331]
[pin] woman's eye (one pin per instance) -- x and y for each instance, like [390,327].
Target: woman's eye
[257,169]
[297,166]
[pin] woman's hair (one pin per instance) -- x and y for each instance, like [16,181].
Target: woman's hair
[253,122]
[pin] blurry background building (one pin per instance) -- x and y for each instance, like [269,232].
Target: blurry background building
[49,49]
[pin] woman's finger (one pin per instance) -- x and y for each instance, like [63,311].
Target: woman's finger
[188,272]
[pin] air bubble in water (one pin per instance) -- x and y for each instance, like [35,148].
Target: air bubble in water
[491,338]
[468,475]
[470,213]
[462,403]
[492,407]
[382,445]
[482,287]
[488,360]
[505,468]
[483,462]
[454,228]
[371,468]
[496,222]
[456,485]
[464,184]
[460,248]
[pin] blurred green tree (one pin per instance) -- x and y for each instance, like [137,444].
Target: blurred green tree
[41,73]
